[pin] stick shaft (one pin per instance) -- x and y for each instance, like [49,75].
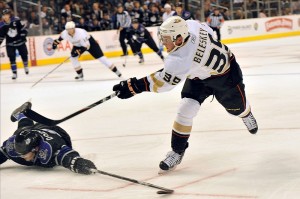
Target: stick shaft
[134,181]
[44,120]
[50,72]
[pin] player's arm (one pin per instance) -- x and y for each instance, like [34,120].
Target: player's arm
[69,158]
[22,30]
[57,41]
[160,81]
[2,32]
[3,154]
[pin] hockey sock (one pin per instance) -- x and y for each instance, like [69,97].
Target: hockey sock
[14,67]
[25,63]
[105,61]
[179,142]
[159,53]
[140,54]
[79,71]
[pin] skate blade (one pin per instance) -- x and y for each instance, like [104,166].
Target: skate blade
[163,172]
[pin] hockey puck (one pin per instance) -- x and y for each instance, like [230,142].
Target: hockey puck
[165,192]
[124,65]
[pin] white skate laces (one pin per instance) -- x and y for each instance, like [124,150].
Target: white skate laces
[250,122]
[171,161]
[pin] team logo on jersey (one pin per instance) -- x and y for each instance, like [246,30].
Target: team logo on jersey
[48,46]
[43,154]
[12,32]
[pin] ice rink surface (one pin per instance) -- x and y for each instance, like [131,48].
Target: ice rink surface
[130,137]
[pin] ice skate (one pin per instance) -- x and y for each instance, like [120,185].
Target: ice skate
[79,76]
[14,76]
[141,61]
[18,113]
[26,70]
[250,122]
[170,162]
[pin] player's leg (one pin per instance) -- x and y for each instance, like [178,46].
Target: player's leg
[151,43]
[193,94]
[139,52]
[24,55]
[234,99]
[218,34]
[11,53]
[96,52]
[18,115]
[122,41]
[77,67]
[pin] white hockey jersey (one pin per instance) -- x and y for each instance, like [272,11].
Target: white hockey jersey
[201,57]
[80,38]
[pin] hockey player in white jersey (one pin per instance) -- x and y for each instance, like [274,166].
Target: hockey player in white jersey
[208,68]
[82,42]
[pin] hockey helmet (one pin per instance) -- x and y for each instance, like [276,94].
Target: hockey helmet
[70,25]
[5,11]
[25,141]
[174,27]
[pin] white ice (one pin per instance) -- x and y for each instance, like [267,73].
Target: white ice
[130,137]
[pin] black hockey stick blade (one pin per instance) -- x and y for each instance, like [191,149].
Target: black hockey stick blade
[44,120]
[161,191]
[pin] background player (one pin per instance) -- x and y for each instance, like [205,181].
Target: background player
[181,12]
[40,145]
[215,20]
[209,68]
[139,35]
[82,42]
[123,21]
[15,34]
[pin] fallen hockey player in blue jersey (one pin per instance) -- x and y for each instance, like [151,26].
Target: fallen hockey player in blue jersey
[41,145]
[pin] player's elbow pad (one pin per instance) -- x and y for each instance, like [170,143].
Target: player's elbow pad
[3,156]
[65,156]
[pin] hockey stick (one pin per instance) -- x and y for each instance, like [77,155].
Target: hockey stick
[3,46]
[161,191]
[50,72]
[43,120]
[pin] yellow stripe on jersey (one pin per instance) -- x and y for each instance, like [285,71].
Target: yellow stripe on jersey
[156,83]
[181,128]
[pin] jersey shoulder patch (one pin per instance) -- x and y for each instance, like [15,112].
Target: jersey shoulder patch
[10,148]
[45,152]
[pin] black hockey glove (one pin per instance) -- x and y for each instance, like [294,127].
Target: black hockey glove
[131,87]
[55,43]
[82,166]
[77,51]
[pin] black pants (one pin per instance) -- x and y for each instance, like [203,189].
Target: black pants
[122,37]
[228,89]
[95,48]
[11,53]
[217,30]
[136,46]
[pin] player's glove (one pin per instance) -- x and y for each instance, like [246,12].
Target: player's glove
[131,87]
[82,166]
[55,43]
[76,51]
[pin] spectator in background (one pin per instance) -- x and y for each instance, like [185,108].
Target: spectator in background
[215,21]
[128,3]
[82,24]
[262,14]
[239,14]
[168,12]
[153,16]
[181,12]
[44,11]
[66,12]
[95,26]
[295,6]
[97,12]
[130,11]
[106,23]
[226,14]
[138,12]
[46,27]
[33,20]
